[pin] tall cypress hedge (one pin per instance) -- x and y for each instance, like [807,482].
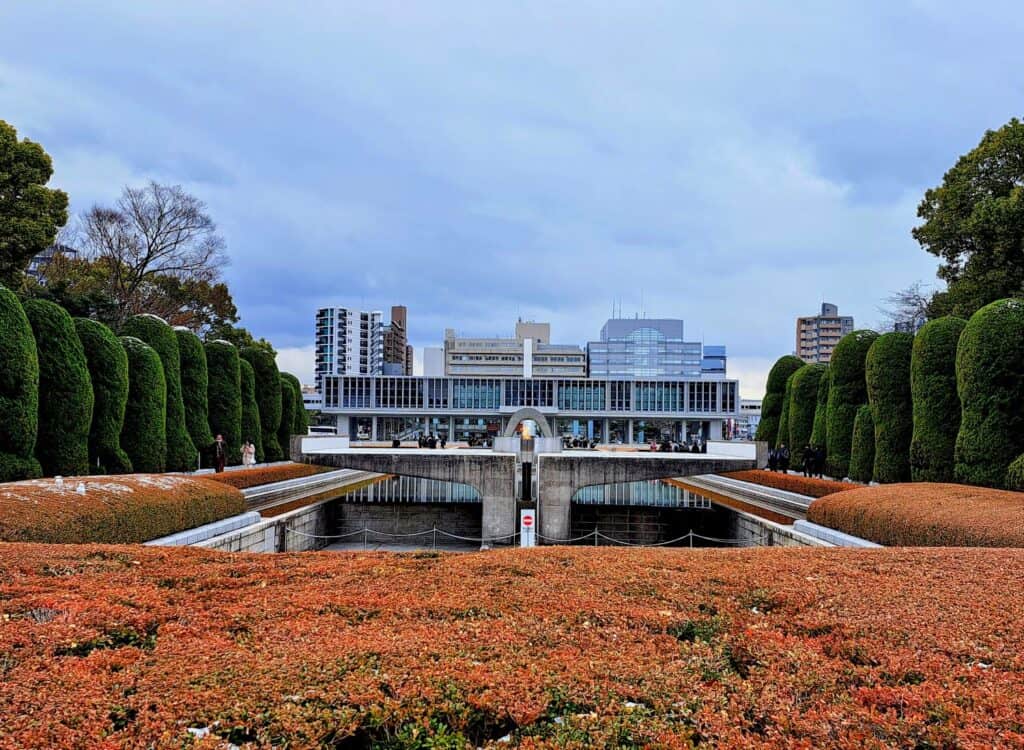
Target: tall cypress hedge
[181,452]
[300,424]
[284,432]
[251,428]
[990,381]
[144,434]
[887,374]
[65,391]
[19,392]
[936,403]
[195,381]
[847,393]
[108,370]
[783,436]
[775,392]
[1015,474]
[819,435]
[862,447]
[268,398]
[224,398]
[803,403]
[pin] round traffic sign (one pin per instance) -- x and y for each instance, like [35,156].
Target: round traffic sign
[527,521]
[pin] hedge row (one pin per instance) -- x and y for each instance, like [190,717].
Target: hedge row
[787,398]
[925,514]
[771,406]
[792,482]
[267,382]
[936,405]
[846,395]
[144,435]
[195,381]
[887,374]
[251,429]
[862,448]
[224,399]
[819,435]
[19,392]
[803,404]
[108,370]
[244,478]
[116,510]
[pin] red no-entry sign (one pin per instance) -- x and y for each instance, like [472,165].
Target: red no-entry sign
[527,520]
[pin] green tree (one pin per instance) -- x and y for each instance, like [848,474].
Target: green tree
[989,367]
[974,223]
[108,370]
[251,428]
[936,402]
[847,393]
[224,398]
[30,212]
[862,446]
[803,403]
[19,392]
[887,374]
[787,397]
[195,382]
[181,452]
[144,435]
[819,435]
[240,337]
[300,425]
[775,391]
[65,391]
[284,432]
[268,399]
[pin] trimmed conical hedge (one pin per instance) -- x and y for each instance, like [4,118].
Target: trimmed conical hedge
[775,392]
[803,403]
[251,428]
[936,403]
[19,392]
[144,434]
[887,374]
[268,398]
[1015,474]
[195,381]
[990,382]
[787,394]
[847,393]
[284,432]
[108,371]
[862,449]
[224,398]
[300,424]
[181,452]
[65,391]
[819,435]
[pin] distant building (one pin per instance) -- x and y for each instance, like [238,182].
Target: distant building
[651,348]
[433,361]
[41,261]
[348,342]
[397,352]
[817,335]
[528,354]
[749,419]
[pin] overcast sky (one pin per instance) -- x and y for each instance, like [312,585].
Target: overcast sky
[732,164]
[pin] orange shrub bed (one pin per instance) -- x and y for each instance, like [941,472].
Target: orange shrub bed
[792,483]
[553,647]
[926,515]
[125,508]
[244,478]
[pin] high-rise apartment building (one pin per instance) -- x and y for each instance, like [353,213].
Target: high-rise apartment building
[397,352]
[529,353]
[348,342]
[651,348]
[817,335]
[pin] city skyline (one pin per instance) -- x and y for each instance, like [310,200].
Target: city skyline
[732,166]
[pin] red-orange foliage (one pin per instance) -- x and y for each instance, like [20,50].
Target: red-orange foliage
[124,508]
[131,647]
[926,515]
[793,483]
[244,478]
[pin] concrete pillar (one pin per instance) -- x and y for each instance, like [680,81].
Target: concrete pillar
[629,431]
[555,502]
[605,437]
[373,428]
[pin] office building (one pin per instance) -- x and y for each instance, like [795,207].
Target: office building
[529,353]
[348,342]
[651,348]
[817,335]
[433,361]
[397,352]
[749,419]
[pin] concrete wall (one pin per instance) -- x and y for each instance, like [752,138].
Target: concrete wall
[463,519]
[270,535]
[769,534]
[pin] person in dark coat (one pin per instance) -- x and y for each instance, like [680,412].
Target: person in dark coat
[807,460]
[773,459]
[220,454]
[784,458]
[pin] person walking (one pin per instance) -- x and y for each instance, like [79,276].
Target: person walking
[220,454]
[807,459]
[444,441]
[784,458]
[248,454]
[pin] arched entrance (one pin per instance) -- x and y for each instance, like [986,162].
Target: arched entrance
[527,413]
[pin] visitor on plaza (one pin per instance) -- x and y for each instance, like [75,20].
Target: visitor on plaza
[220,453]
[784,459]
[248,454]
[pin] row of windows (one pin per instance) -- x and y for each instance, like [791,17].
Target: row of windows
[495,393]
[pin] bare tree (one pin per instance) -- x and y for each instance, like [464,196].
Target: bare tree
[153,231]
[907,309]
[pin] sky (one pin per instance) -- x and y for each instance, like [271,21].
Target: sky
[731,164]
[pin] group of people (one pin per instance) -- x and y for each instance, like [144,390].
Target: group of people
[220,453]
[812,460]
[694,445]
[430,440]
[569,441]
